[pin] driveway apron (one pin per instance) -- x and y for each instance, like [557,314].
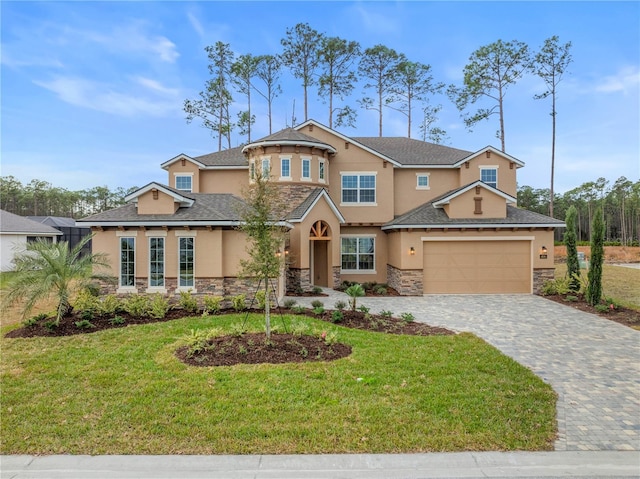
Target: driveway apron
[592,363]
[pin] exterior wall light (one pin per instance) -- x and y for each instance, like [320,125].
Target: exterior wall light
[543,252]
[412,251]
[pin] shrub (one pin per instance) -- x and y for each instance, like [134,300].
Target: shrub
[85,301]
[110,305]
[364,309]
[212,304]
[32,321]
[159,306]
[340,305]
[289,303]
[556,286]
[386,314]
[316,303]
[238,302]
[602,308]
[316,290]
[380,289]
[330,337]
[137,305]
[571,298]
[299,309]
[354,291]
[261,298]
[337,316]
[198,340]
[188,302]
[298,328]
[116,320]
[84,324]
[318,310]
[407,317]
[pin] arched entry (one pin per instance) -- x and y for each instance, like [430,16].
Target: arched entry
[319,241]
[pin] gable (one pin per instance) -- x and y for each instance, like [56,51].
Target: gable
[477,202]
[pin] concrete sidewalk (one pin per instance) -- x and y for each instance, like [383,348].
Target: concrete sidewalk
[575,464]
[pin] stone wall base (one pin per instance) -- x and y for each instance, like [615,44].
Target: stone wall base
[298,280]
[540,276]
[407,282]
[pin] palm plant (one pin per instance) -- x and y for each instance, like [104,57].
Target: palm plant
[354,291]
[47,269]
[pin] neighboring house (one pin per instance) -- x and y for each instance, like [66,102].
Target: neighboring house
[15,232]
[424,218]
[71,232]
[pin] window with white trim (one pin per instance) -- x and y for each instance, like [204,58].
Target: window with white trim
[156,262]
[489,175]
[186,247]
[266,168]
[357,253]
[422,181]
[306,169]
[285,168]
[184,183]
[252,170]
[127,261]
[321,171]
[359,188]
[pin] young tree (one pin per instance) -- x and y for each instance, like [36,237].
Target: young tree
[379,65]
[337,79]
[570,241]
[490,72]
[434,134]
[414,83]
[242,72]
[268,70]
[550,64]
[300,54]
[46,269]
[213,105]
[594,277]
[261,224]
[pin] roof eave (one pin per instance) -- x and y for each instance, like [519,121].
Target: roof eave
[475,225]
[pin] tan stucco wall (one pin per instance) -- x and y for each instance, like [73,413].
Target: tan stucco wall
[463,206]
[506,174]
[234,250]
[224,181]
[189,168]
[163,205]
[276,153]
[321,212]
[406,194]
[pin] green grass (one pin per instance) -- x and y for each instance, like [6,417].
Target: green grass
[618,282]
[123,391]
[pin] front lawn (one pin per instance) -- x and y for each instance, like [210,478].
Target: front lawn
[123,391]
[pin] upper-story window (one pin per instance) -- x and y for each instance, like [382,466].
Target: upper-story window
[252,170]
[184,183]
[489,175]
[306,168]
[321,171]
[266,168]
[359,188]
[285,168]
[422,181]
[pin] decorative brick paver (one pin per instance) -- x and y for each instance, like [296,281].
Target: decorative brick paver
[592,363]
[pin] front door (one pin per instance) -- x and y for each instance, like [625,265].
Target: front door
[319,239]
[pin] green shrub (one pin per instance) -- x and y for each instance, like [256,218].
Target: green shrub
[556,286]
[340,305]
[299,328]
[159,306]
[289,303]
[612,303]
[337,316]
[602,308]
[407,317]
[299,309]
[318,310]
[188,301]
[198,340]
[85,301]
[261,298]
[316,303]
[117,320]
[32,321]
[87,315]
[110,305]
[84,324]
[330,337]
[571,298]
[364,309]
[137,305]
[212,304]
[238,302]
[386,314]
[380,289]
[316,290]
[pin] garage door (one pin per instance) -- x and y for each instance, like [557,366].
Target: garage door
[477,267]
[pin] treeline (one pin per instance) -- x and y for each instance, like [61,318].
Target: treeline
[620,203]
[39,198]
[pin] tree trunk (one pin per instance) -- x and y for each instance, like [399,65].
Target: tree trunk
[267,310]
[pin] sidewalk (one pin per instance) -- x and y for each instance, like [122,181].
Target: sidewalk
[575,464]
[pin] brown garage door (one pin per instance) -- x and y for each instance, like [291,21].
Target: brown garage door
[477,267]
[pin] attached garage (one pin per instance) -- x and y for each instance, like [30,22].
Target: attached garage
[480,265]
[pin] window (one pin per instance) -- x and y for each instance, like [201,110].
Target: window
[183,182]
[266,168]
[306,169]
[358,188]
[252,170]
[127,261]
[422,182]
[358,253]
[185,266]
[156,262]
[285,168]
[321,171]
[489,176]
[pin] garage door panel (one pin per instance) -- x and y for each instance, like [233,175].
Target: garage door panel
[477,267]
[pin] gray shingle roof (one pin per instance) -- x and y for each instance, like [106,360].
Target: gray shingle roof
[408,151]
[230,157]
[208,208]
[55,221]
[10,223]
[427,216]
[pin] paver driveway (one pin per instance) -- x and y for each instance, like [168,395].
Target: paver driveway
[593,364]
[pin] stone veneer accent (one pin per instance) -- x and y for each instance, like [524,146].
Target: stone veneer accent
[337,279]
[407,282]
[540,276]
[294,194]
[298,279]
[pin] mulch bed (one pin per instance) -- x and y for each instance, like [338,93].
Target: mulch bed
[619,314]
[253,348]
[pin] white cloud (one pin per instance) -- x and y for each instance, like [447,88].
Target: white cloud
[626,80]
[157,87]
[195,23]
[378,23]
[101,97]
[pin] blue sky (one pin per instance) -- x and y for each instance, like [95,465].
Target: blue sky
[92,92]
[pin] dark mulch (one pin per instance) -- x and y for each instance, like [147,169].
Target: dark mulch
[253,348]
[619,314]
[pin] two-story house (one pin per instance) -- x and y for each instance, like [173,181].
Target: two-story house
[424,218]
